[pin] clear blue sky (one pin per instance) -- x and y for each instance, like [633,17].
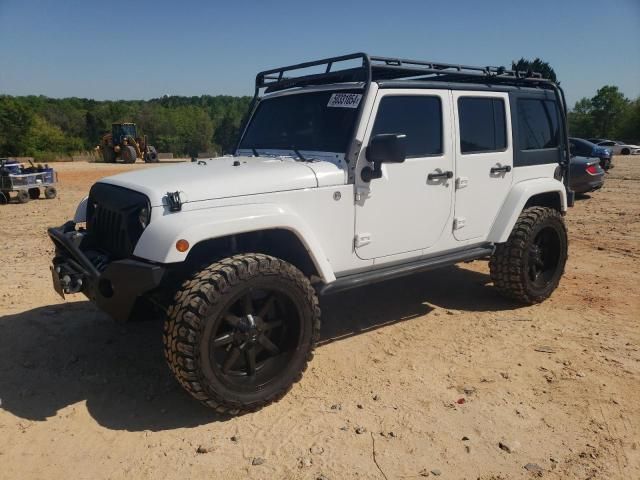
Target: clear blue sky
[113,49]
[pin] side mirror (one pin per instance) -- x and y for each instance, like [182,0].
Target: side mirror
[384,148]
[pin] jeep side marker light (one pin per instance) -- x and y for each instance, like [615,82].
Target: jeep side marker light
[182,245]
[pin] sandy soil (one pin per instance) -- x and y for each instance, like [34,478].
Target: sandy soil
[435,371]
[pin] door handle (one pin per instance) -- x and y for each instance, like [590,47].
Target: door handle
[435,176]
[506,169]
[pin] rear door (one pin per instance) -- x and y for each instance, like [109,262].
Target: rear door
[484,160]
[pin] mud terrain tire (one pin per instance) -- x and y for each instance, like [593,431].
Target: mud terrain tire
[528,267]
[211,326]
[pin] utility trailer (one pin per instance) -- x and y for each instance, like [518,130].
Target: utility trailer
[27,183]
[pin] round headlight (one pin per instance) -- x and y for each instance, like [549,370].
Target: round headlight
[143,217]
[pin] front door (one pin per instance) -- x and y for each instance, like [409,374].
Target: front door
[484,161]
[404,210]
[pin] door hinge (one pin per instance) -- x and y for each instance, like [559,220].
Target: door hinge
[459,223]
[362,239]
[461,182]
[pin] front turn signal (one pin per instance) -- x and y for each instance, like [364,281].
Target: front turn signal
[182,245]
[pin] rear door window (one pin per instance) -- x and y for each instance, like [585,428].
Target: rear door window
[482,124]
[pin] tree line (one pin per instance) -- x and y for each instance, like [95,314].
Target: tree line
[608,114]
[48,128]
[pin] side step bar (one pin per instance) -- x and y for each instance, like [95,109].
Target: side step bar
[396,271]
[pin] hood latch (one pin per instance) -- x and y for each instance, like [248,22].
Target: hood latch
[173,199]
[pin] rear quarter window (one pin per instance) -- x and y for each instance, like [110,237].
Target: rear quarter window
[538,124]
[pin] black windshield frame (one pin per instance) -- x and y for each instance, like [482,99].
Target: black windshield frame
[328,129]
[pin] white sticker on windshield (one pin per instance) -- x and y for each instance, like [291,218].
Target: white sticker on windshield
[345,100]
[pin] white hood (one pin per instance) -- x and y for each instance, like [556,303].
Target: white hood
[228,177]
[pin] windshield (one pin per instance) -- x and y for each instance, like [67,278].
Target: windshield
[123,130]
[317,121]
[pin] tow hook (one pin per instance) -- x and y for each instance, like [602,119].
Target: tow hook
[68,284]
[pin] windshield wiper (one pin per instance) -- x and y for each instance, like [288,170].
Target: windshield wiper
[299,154]
[273,155]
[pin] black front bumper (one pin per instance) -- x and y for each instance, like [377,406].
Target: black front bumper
[114,288]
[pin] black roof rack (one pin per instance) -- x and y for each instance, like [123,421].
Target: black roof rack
[371,68]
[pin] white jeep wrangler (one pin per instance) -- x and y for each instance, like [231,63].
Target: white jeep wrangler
[370,168]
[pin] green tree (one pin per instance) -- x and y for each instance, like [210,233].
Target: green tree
[227,131]
[608,107]
[15,121]
[581,120]
[93,129]
[47,139]
[536,65]
[628,128]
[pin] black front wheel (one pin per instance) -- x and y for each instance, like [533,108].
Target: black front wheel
[241,332]
[128,154]
[528,267]
[50,192]
[151,156]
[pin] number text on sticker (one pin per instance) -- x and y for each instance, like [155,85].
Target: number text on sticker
[345,100]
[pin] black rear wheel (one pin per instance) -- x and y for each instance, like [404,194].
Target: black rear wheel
[528,267]
[23,196]
[108,155]
[625,151]
[34,193]
[242,331]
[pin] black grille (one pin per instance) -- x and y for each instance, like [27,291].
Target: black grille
[112,219]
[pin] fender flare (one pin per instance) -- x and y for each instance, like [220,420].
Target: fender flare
[516,200]
[157,243]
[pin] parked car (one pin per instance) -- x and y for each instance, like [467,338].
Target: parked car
[586,174]
[620,148]
[584,148]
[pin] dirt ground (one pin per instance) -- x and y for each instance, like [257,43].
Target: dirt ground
[435,375]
